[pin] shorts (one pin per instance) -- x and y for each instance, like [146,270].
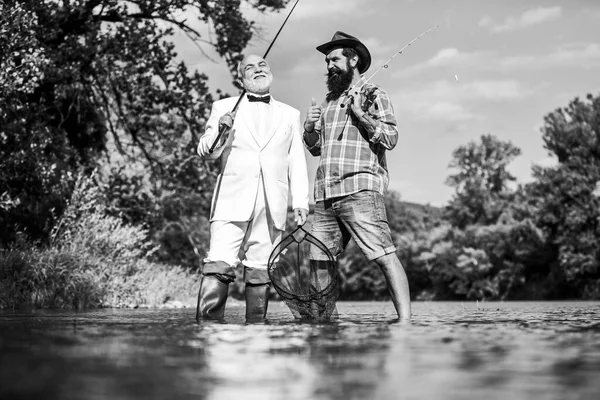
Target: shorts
[360,216]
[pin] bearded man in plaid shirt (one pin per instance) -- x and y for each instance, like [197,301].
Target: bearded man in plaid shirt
[351,131]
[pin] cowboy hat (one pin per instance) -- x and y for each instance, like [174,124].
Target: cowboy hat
[340,40]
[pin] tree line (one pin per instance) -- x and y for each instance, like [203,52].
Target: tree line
[93,88]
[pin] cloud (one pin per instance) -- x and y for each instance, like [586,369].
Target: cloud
[424,108]
[443,111]
[446,57]
[378,50]
[496,90]
[572,55]
[527,19]
[583,55]
[319,9]
[449,101]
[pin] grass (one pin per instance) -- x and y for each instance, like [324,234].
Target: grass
[93,260]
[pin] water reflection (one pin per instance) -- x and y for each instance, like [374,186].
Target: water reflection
[449,351]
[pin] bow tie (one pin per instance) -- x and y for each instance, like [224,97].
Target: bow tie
[264,99]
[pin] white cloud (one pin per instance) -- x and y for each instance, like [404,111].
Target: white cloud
[496,90]
[525,20]
[446,57]
[572,55]
[444,111]
[325,9]
[425,109]
[446,100]
[378,50]
[583,55]
[590,12]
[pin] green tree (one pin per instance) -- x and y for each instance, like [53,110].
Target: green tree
[33,158]
[481,181]
[89,82]
[567,196]
[490,245]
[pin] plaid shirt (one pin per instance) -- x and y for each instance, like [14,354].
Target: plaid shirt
[352,155]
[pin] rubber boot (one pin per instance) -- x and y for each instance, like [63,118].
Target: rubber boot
[257,301]
[212,297]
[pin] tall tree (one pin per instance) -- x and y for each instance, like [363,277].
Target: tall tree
[481,180]
[568,195]
[86,79]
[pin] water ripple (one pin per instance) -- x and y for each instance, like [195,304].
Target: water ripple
[448,351]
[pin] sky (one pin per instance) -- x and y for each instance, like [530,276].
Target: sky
[489,67]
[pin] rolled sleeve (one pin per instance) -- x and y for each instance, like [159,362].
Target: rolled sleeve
[315,149]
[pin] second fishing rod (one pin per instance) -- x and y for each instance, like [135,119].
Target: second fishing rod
[223,128]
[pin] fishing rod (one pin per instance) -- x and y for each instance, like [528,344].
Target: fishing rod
[223,128]
[386,64]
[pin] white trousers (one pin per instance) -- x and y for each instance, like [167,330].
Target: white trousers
[249,242]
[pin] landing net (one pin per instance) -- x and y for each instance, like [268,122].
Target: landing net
[304,274]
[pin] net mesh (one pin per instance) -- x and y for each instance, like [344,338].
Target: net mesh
[304,274]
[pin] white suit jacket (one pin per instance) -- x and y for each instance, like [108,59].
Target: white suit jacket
[278,157]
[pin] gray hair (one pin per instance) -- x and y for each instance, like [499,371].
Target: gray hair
[239,70]
[239,67]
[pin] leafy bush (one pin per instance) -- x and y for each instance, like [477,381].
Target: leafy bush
[94,260]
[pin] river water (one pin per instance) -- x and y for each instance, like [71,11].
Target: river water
[538,350]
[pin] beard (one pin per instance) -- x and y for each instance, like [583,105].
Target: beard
[259,86]
[338,81]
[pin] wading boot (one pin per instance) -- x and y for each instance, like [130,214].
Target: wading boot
[257,301]
[212,296]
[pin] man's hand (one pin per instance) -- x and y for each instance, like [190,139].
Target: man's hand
[300,216]
[312,116]
[225,122]
[356,101]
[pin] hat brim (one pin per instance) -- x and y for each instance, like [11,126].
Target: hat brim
[360,48]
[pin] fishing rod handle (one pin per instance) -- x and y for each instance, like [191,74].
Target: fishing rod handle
[223,128]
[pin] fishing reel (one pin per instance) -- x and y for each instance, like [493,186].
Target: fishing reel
[369,97]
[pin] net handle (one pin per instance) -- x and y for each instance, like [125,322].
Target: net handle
[313,240]
[291,237]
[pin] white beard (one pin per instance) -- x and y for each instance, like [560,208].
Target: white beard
[259,86]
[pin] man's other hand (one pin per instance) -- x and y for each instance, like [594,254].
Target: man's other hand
[312,116]
[300,216]
[356,103]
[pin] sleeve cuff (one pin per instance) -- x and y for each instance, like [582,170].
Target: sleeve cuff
[317,143]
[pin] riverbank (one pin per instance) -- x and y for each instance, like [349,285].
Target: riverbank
[64,278]
[92,260]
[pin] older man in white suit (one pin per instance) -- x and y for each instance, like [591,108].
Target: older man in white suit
[262,159]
